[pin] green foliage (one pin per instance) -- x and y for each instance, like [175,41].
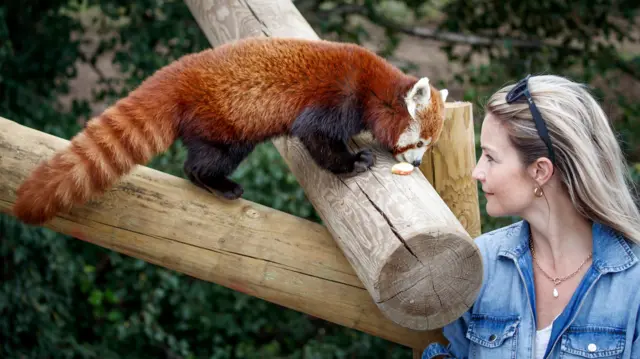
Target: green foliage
[553,36]
[33,75]
[61,297]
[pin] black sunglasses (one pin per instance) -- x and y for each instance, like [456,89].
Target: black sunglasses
[522,89]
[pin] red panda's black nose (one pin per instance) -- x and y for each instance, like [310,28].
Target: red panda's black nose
[416,163]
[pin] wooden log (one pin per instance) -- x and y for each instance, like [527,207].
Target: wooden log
[409,250]
[449,165]
[448,168]
[242,245]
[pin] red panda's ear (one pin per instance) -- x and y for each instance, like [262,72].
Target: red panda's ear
[444,93]
[421,92]
[419,96]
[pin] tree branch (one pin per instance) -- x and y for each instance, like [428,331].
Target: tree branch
[426,33]
[469,39]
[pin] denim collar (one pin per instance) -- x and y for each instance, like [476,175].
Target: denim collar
[611,252]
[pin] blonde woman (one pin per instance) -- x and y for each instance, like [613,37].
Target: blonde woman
[565,281]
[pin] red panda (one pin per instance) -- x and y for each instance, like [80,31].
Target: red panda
[221,102]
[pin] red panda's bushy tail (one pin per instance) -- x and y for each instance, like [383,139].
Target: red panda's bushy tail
[127,134]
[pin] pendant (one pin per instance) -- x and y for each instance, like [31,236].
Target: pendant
[555,293]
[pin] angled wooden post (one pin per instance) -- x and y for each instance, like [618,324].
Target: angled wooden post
[416,260]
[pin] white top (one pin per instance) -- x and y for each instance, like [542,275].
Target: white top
[542,339]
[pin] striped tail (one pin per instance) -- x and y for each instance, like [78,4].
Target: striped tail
[127,134]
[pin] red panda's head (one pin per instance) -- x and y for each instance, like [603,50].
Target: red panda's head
[425,105]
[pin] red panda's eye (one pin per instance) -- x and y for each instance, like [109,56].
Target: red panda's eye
[420,144]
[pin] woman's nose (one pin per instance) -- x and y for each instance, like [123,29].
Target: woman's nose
[478,174]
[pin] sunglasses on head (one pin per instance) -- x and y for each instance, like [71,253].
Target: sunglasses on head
[521,90]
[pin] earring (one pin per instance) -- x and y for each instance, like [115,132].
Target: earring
[537,191]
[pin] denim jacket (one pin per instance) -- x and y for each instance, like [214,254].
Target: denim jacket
[600,321]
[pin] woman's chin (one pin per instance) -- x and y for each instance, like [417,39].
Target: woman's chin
[497,211]
[493,210]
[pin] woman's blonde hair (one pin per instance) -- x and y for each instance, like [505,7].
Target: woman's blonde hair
[588,158]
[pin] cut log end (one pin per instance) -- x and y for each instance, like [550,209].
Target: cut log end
[436,291]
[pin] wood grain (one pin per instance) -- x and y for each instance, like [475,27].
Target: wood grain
[254,249]
[449,165]
[409,250]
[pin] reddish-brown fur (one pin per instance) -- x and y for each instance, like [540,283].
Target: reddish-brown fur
[432,117]
[261,99]
[226,94]
[130,132]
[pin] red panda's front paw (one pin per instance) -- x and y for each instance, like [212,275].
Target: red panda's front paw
[348,164]
[364,160]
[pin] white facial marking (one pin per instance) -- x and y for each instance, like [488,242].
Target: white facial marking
[414,154]
[410,135]
[418,96]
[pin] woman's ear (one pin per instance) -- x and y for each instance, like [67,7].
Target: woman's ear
[541,170]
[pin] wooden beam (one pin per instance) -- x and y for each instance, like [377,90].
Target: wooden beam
[254,249]
[416,260]
[449,165]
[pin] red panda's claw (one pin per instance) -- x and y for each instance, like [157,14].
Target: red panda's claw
[364,160]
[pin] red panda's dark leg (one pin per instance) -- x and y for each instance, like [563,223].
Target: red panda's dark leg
[324,132]
[208,165]
[333,155]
